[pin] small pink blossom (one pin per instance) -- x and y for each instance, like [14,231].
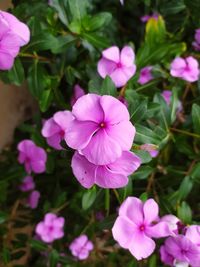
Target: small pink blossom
[54,129]
[101,129]
[152,149]
[33,157]
[113,175]
[27,184]
[185,68]
[166,94]
[78,92]
[145,18]
[145,75]
[81,247]
[183,251]
[13,35]
[33,199]
[196,43]
[172,221]
[135,227]
[118,65]
[51,228]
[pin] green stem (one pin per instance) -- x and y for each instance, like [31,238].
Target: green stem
[107,201]
[185,132]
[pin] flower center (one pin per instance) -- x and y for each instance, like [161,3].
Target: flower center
[102,125]
[142,227]
[62,133]
[51,228]
[119,65]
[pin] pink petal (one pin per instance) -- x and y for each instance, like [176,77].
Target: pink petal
[142,246]
[105,67]
[177,66]
[122,232]
[114,110]
[88,108]
[9,44]
[127,56]
[40,228]
[58,233]
[33,199]
[50,128]
[49,218]
[158,230]
[126,164]
[59,222]
[132,208]
[107,179]
[89,245]
[54,141]
[129,71]
[63,119]
[112,53]
[78,92]
[193,233]
[102,149]
[38,166]
[80,133]
[17,27]
[151,210]
[119,77]
[83,170]
[6,61]
[4,26]
[125,140]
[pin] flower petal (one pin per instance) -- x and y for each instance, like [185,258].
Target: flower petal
[119,77]
[132,208]
[6,61]
[54,141]
[151,210]
[123,133]
[88,108]
[102,149]
[80,133]
[50,128]
[105,67]
[122,232]
[158,230]
[63,119]
[107,179]
[127,56]
[83,170]
[112,53]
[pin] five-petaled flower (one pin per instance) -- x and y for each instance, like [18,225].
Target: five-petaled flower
[118,65]
[81,247]
[51,228]
[136,225]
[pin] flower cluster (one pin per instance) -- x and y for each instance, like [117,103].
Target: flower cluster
[139,222]
[13,35]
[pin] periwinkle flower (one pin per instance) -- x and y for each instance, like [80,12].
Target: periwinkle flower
[185,68]
[33,199]
[167,94]
[81,247]
[13,35]
[54,129]
[78,92]
[118,65]
[101,129]
[113,175]
[51,228]
[196,43]
[27,184]
[136,225]
[183,251]
[33,157]
[145,75]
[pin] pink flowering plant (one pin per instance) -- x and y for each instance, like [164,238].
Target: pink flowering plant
[105,171]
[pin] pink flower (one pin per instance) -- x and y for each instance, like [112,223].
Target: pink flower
[152,149]
[118,65]
[135,226]
[78,92]
[183,251]
[166,258]
[172,221]
[13,35]
[145,18]
[54,129]
[81,247]
[101,129]
[51,228]
[33,199]
[186,69]
[113,175]
[27,184]
[193,233]
[196,43]
[33,157]
[145,75]
[166,94]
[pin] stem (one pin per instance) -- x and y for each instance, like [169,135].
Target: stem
[185,132]
[117,195]
[107,201]
[35,56]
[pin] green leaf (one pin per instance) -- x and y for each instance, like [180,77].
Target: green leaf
[173,7]
[195,173]
[174,104]
[185,188]
[61,8]
[16,74]
[108,87]
[77,9]
[38,245]
[89,198]
[63,42]
[43,41]
[45,100]
[142,173]
[53,258]
[96,40]
[96,22]
[196,118]
[185,213]
[145,135]
[143,155]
